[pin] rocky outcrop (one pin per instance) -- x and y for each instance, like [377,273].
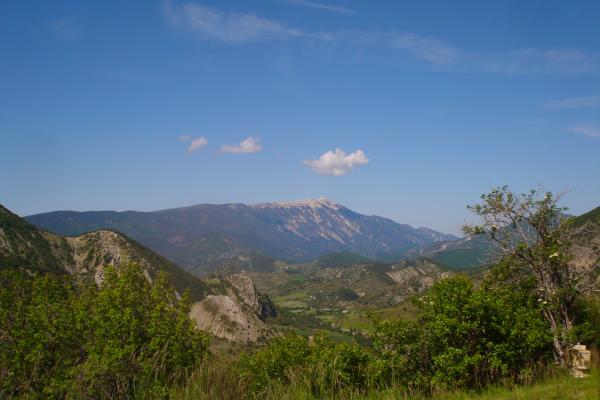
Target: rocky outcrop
[228,318]
[237,314]
[243,288]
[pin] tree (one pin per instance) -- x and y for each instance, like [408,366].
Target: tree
[465,337]
[126,338]
[532,234]
[140,341]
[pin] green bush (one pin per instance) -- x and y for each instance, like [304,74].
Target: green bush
[464,338]
[126,338]
[39,340]
[325,365]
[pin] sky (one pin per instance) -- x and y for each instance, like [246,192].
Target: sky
[407,110]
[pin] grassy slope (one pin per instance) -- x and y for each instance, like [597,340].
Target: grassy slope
[559,388]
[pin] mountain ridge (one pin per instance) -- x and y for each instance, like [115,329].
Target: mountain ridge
[200,236]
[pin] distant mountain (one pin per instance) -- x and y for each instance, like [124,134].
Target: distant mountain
[200,237]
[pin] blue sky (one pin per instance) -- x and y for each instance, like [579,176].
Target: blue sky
[148,105]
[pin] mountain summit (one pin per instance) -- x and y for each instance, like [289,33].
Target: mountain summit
[201,236]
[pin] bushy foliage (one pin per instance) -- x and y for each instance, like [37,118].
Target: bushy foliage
[39,340]
[531,230]
[464,338]
[327,366]
[125,338]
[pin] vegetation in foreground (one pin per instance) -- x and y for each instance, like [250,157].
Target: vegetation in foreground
[130,338]
[227,386]
[124,338]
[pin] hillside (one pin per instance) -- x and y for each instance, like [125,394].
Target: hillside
[84,257]
[464,253]
[24,246]
[586,251]
[200,238]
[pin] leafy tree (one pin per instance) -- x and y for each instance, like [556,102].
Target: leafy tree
[140,339]
[465,337]
[39,341]
[126,338]
[531,231]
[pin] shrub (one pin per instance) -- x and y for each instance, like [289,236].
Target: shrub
[326,366]
[126,338]
[464,338]
[39,341]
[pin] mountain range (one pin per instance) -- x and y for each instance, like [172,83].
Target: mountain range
[204,237]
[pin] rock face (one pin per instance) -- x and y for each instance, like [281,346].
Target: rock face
[243,287]
[201,237]
[227,318]
[236,314]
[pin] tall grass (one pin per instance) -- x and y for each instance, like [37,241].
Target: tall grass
[217,378]
[220,379]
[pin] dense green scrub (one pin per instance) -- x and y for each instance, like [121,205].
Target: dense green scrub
[127,338]
[464,338]
[124,338]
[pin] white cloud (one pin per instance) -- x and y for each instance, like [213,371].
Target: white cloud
[322,6]
[208,23]
[574,102]
[195,144]
[248,145]
[586,130]
[337,162]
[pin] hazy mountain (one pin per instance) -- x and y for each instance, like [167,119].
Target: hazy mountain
[202,236]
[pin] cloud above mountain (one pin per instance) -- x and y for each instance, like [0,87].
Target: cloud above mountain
[209,23]
[249,145]
[337,162]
